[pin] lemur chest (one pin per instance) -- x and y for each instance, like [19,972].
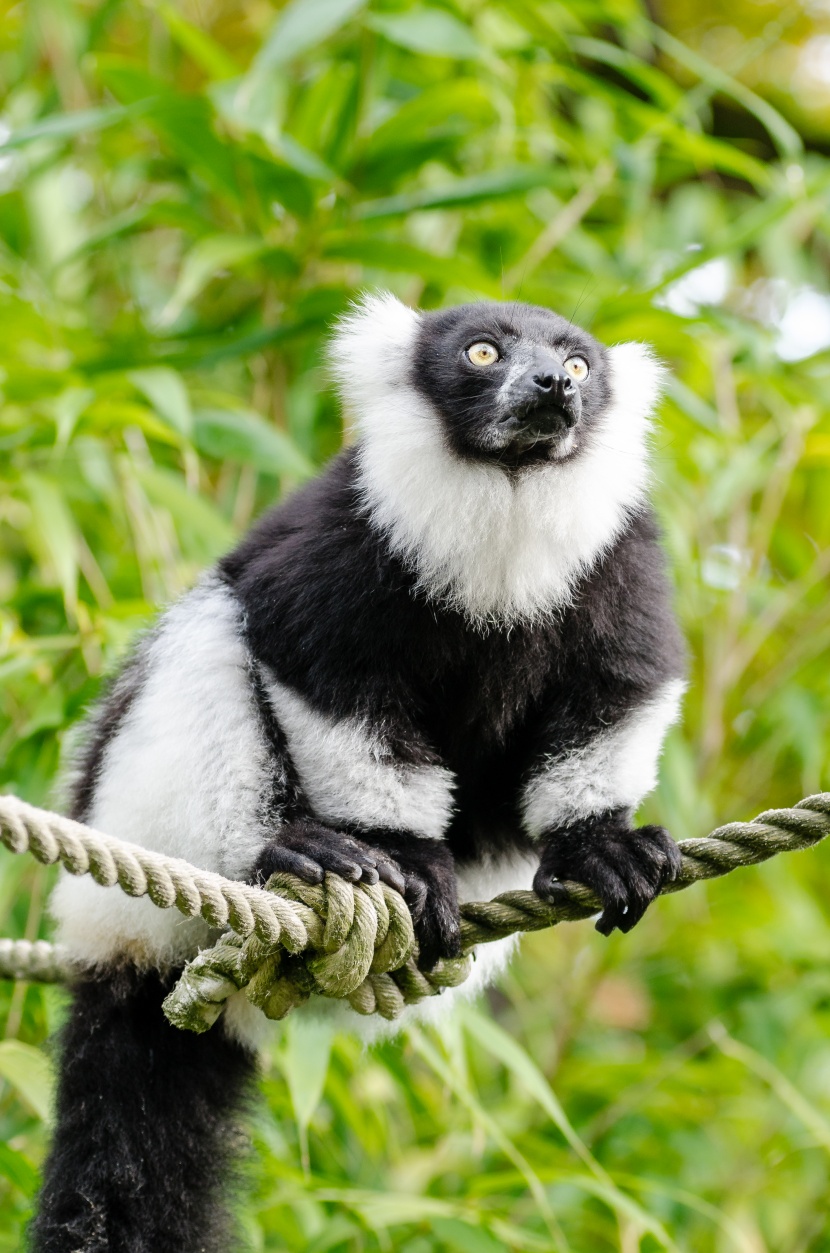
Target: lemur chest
[451,723]
[482,696]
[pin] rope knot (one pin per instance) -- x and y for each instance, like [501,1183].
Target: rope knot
[354,942]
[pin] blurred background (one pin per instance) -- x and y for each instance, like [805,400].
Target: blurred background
[190,193]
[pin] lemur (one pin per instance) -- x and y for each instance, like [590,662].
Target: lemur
[449,662]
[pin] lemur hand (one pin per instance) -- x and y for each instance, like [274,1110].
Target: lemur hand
[626,867]
[422,870]
[308,849]
[430,891]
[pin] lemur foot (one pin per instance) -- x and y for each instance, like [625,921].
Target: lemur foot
[626,867]
[308,849]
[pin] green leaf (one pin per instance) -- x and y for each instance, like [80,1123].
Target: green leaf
[68,125]
[497,1041]
[56,533]
[431,31]
[244,436]
[29,1072]
[785,137]
[398,256]
[183,121]
[166,392]
[465,1237]
[464,191]
[305,1063]
[203,532]
[215,252]
[464,100]
[302,25]
[206,52]
[18,1170]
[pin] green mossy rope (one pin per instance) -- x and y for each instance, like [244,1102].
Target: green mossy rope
[349,942]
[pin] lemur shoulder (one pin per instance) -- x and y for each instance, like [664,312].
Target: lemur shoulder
[450,661]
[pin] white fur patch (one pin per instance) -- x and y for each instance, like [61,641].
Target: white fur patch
[185,775]
[617,768]
[348,772]
[498,548]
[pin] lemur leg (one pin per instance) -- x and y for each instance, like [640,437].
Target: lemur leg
[146,1132]
[626,866]
[423,870]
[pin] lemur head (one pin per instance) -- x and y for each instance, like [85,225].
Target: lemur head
[500,448]
[514,384]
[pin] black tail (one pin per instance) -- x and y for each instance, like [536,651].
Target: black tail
[146,1134]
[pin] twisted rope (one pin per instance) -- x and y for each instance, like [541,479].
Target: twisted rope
[347,941]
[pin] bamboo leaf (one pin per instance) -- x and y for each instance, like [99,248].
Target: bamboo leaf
[166,392]
[464,191]
[29,1072]
[56,533]
[206,52]
[243,436]
[431,31]
[17,1168]
[69,125]
[205,259]
[301,25]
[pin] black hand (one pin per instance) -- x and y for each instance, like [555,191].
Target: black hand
[430,891]
[308,849]
[626,867]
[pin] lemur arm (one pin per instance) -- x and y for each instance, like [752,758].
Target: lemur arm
[362,797]
[578,804]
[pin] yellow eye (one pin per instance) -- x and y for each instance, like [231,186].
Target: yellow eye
[483,353]
[578,368]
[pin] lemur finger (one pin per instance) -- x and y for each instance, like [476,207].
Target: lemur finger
[439,935]
[660,840]
[616,904]
[334,851]
[276,857]
[391,875]
[415,895]
[337,863]
[548,886]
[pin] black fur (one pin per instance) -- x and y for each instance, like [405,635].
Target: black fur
[146,1128]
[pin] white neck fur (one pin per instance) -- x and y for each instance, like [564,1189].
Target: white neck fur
[501,549]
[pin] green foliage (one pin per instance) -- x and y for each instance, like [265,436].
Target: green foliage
[189,195]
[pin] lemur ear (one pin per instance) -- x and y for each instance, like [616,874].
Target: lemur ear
[371,352]
[638,379]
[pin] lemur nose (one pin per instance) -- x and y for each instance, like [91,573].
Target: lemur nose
[547,381]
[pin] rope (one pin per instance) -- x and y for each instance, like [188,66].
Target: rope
[355,942]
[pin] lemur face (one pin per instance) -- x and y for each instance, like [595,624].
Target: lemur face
[514,384]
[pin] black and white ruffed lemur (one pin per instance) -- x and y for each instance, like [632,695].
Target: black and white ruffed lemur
[449,661]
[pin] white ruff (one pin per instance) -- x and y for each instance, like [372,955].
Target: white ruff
[499,548]
[618,768]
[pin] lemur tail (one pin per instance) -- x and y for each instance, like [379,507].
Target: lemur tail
[146,1132]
